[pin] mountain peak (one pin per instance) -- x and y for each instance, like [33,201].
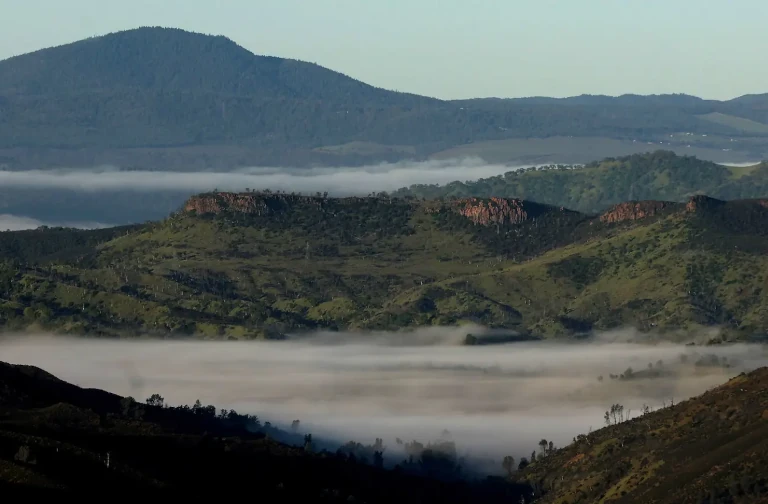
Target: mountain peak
[171,60]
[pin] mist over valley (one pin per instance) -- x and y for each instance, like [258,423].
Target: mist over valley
[261,275]
[494,400]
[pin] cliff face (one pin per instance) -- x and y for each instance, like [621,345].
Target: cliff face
[486,212]
[702,202]
[634,210]
[220,202]
[480,211]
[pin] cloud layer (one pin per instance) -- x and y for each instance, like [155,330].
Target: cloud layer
[494,400]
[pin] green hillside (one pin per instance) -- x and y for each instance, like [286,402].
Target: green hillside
[706,450]
[661,175]
[263,265]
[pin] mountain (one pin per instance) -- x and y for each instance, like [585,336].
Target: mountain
[246,265]
[157,59]
[160,98]
[660,175]
[57,439]
[709,450]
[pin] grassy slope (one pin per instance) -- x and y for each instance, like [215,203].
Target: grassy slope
[709,449]
[388,264]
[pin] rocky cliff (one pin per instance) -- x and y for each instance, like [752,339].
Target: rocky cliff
[216,203]
[254,203]
[702,202]
[492,211]
[634,210]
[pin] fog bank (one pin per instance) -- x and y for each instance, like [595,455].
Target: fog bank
[494,400]
[10,222]
[337,181]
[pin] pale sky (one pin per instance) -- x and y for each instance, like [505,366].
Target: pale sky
[455,48]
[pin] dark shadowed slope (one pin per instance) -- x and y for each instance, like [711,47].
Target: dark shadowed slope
[57,439]
[710,449]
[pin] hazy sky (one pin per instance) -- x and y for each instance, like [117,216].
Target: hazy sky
[455,48]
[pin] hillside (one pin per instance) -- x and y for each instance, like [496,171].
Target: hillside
[264,265]
[57,439]
[159,98]
[660,175]
[706,450]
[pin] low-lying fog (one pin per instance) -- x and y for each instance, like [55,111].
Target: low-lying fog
[338,181]
[67,197]
[20,223]
[494,400]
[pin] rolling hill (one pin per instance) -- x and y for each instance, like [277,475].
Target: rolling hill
[247,265]
[158,98]
[706,450]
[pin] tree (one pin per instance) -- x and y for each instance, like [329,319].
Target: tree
[543,446]
[155,400]
[508,464]
[614,415]
[130,408]
[295,425]
[523,464]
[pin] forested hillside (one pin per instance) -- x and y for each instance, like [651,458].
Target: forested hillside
[660,175]
[254,265]
[706,450]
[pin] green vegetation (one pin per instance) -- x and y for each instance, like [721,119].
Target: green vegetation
[706,450]
[173,92]
[262,265]
[660,175]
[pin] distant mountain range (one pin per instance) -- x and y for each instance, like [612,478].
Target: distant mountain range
[162,98]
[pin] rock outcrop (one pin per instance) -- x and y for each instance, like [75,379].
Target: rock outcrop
[216,203]
[634,210]
[702,202]
[493,211]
